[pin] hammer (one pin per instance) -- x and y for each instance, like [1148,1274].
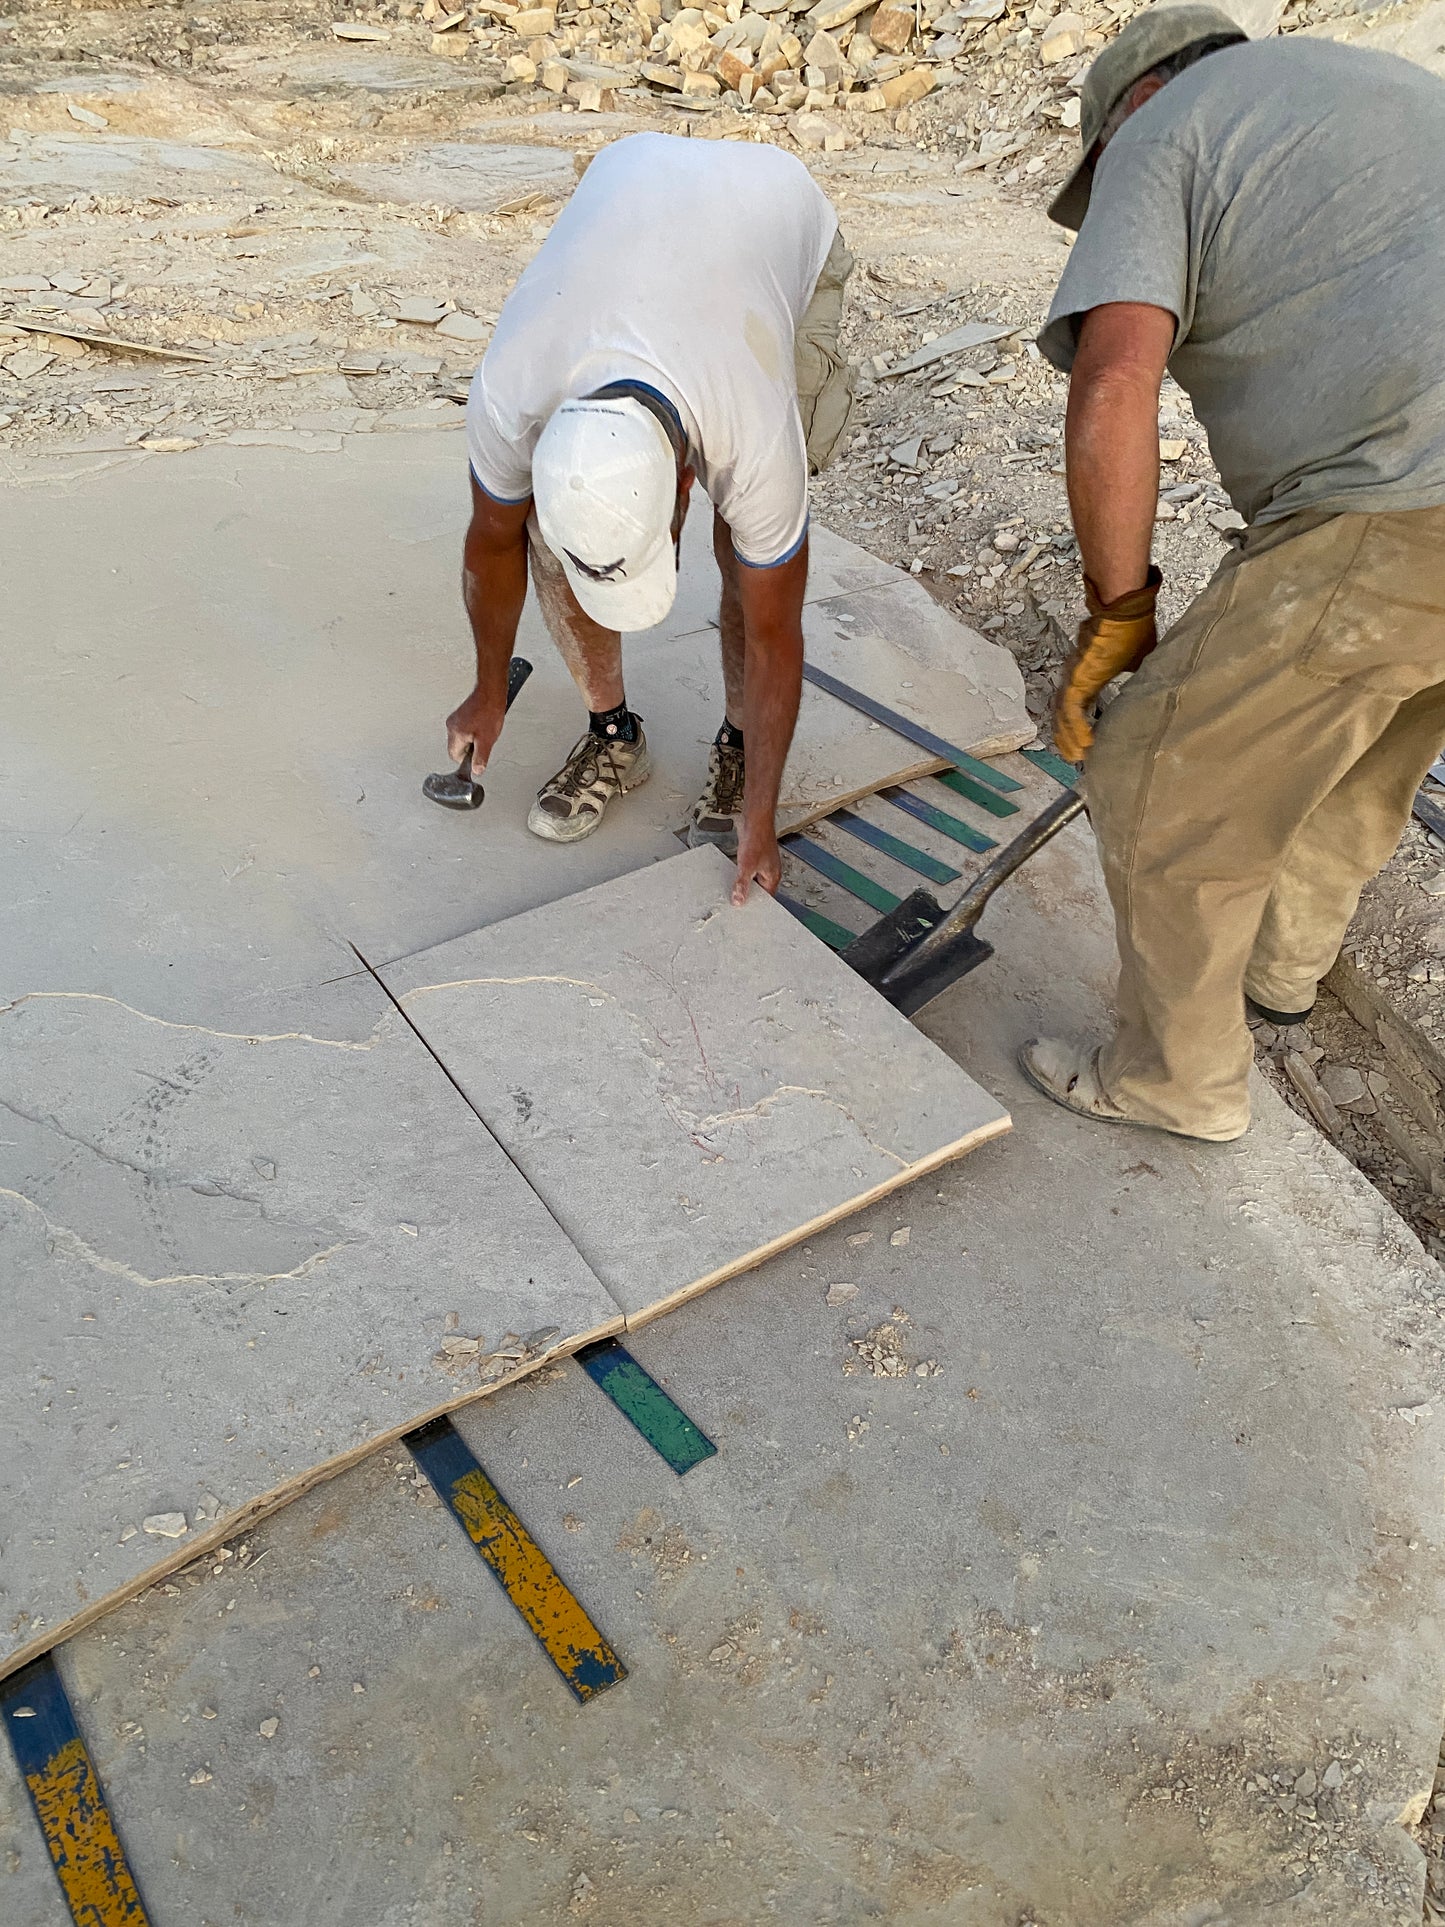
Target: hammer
[455,789]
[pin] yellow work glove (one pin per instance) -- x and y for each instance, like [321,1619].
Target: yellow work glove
[1115,636]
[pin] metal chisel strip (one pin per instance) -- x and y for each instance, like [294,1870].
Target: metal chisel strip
[841,873]
[912,732]
[68,1799]
[1430,810]
[952,827]
[833,934]
[1052,765]
[970,791]
[568,1637]
[916,860]
[639,1398]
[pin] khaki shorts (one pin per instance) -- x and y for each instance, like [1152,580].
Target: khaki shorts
[825,379]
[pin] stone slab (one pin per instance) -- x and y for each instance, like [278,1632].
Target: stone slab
[281,643]
[689,1086]
[299,70]
[283,640]
[478,178]
[122,164]
[892,642]
[1022,1650]
[233,1262]
[1415,32]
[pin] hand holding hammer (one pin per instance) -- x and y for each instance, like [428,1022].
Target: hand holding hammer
[457,789]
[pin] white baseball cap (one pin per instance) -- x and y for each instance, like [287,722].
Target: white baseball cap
[604,485]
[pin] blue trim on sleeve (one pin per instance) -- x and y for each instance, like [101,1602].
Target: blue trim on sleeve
[781,559]
[504,501]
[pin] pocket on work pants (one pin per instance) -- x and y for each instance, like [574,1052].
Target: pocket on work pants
[1382,632]
[825,379]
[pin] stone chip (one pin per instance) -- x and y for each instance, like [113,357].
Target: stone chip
[464,327]
[165,1525]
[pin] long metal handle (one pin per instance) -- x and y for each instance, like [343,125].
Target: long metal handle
[965,913]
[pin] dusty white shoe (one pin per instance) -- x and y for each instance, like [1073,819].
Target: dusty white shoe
[571,804]
[715,813]
[1069,1074]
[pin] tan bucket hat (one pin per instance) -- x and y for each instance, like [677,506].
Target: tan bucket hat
[1155,35]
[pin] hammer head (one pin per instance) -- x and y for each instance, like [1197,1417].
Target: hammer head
[454,789]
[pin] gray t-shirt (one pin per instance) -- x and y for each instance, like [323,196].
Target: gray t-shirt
[1285,200]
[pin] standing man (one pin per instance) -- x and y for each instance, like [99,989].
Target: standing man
[680,323]
[1267,219]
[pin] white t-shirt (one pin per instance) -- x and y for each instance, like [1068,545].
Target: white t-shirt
[686,265]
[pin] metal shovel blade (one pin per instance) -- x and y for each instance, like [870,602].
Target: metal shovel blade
[893,936]
[913,984]
[912,955]
[923,969]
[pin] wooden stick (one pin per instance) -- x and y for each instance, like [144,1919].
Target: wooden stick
[117,342]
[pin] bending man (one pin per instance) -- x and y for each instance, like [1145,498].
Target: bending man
[679,323]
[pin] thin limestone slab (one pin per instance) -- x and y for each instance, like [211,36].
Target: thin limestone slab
[233,1263]
[689,1086]
[893,642]
[278,670]
[476,178]
[300,71]
[874,629]
[118,164]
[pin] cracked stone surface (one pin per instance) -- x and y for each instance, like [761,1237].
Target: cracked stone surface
[232,1259]
[64,163]
[1050,1635]
[278,672]
[687,1085]
[213,1220]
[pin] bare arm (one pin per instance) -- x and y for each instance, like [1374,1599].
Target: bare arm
[494,588]
[772,614]
[1112,440]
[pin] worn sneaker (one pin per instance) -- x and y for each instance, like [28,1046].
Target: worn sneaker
[570,806]
[1069,1074]
[715,813]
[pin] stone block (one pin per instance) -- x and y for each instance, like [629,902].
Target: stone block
[892,28]
[904,89]
[1063,38]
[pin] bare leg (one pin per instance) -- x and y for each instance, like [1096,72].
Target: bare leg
[730,621]
[593,654]
[599,770]
[714,815]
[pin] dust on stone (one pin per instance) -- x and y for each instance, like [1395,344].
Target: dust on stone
[460,1355]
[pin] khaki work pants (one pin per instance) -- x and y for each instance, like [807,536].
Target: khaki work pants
[825,380]
[1256,772]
